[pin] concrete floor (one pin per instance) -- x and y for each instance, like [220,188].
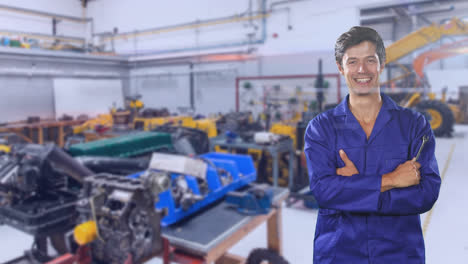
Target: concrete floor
[445,226]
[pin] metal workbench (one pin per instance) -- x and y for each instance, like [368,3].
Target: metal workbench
[275,149]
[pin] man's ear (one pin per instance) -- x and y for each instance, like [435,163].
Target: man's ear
[382,67]
[340,68]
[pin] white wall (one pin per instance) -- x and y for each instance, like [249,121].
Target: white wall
[162,86]
[315,24]
[129,16]
[450,79]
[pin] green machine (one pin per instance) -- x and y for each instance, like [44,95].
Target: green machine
[130,145]
[131,152]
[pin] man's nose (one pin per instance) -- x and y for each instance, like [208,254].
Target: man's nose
[362,68]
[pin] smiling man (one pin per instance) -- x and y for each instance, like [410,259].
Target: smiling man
[362,167]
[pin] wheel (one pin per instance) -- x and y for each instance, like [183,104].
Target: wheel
[58,243]
[264,255]
[439,116]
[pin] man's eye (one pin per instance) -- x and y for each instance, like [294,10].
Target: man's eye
[372,60]
[351,62]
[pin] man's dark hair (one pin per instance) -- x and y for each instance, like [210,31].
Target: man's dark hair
[355,36]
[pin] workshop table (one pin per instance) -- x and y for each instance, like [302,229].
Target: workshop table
[211,233]
[275,149]
[42,131]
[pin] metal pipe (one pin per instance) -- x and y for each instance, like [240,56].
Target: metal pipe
[403,3]
[192,25]
[44,14]
[58,56]
[192,90]
[264,14]
[42,36]
[167,74]
[285,2]
[218,46]
[45,75]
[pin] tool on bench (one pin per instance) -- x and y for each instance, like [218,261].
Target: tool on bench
[255,200]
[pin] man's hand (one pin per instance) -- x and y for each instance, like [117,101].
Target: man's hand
[349,169]
[405,175]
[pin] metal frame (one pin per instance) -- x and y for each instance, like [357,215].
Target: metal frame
[277,77]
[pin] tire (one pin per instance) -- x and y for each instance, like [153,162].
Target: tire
[439,115]
[259,255]
[58,243]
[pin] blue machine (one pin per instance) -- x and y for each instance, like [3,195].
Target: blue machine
[255,200]
[187,194]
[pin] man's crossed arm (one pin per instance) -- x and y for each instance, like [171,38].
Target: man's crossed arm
[405,175]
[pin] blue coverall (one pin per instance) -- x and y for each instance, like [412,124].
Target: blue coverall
[356,222]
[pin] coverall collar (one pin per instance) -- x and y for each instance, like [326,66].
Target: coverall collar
[383,117]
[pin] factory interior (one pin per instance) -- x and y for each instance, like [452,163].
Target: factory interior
[196,132]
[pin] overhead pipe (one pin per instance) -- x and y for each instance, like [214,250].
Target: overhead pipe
[44,14]
[192,25]
[263,14]
[55,19]
[285,3]
[42,36]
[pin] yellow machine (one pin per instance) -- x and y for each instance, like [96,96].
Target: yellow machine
[441,115]
[207,124]
[149,123]
[102,119]
[5,148]
[133,105]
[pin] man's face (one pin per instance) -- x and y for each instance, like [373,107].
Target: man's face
[361,68]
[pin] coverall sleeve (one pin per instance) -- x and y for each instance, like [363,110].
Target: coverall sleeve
[419,198]
[332,191]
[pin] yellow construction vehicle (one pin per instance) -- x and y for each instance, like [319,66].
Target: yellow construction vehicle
[424,36]
[440,114]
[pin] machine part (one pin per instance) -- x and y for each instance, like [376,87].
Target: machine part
[103,120]
[424,140]
[186,140]
[4,148]
[189,193]
[74,139]
[114,165]
[224,176]
[130,145]
[261,255]
[154,112]
[237,122]
[150,123]
[85,233]
[439,115]
[182,194]
[127,225]
[38,192]
[157,181]
[256,200]
[39,168]
[266,138]
[178,164]
[188,199]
